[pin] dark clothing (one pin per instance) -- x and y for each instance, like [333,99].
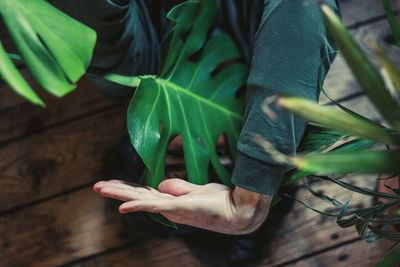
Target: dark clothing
[284,42]
[291,50]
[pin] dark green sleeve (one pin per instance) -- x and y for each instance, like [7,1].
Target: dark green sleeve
[291,49]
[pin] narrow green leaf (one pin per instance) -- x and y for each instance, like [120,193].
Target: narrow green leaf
[342,163]
[391,69]
[391,235]
[317,139]
[131,81]
[370,80]
[348,111]
[337,120]
[14,56]
[394,24]
[358,189]
[13,78]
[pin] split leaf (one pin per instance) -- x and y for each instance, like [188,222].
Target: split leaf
[56,48]
[194,96]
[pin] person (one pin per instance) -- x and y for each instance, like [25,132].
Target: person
[288,49]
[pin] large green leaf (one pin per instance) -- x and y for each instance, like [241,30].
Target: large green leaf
[369,78]
[56,48]
[194,96]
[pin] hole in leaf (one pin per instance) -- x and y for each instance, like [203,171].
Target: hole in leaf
[175,146]
[224,153]
[186,34]
[174,160]
[195,57]
[221,66]
[241,91]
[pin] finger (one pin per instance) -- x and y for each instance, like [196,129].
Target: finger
[149,205]
[122,194]
[120,184]
[97,186]
[139,187]
[124,185]
[177,187]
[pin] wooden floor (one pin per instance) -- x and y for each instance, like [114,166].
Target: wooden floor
[49,159]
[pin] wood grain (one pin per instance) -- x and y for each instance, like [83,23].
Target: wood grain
[340,81]
[354,254]
[19,117]
[58,231]
[305,231]
[357,12]
[80,228]
[57,160]
[169,253]
[69,228]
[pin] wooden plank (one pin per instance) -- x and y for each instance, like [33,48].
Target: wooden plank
[74,226]
[169,253]
[19,117]
[354,254]
[340,81]
[295,237]
[305,231]
[81,224]
[363,106]
[65,157]
[355,12]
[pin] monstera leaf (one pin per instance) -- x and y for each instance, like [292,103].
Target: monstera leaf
[194,96]
[55,48]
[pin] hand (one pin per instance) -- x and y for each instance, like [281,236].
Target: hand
[212,206]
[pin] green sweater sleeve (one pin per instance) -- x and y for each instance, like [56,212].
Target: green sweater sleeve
[291,50]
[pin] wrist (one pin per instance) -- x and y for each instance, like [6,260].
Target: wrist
[251,209]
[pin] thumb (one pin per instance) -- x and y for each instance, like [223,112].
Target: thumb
[177,187]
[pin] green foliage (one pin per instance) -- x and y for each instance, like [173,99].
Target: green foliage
[193,96]
[349,123]
[337,141]
[394,24]
[366,74]
[55,48]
